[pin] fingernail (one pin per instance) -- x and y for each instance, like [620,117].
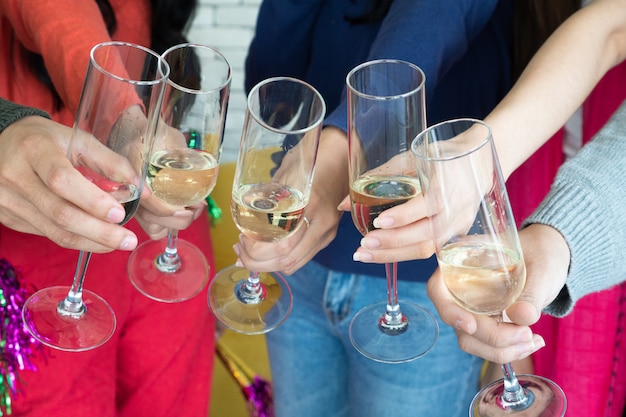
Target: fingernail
[524,336]
[526,349]
[183,213]
[370,243]
[129,243]
[460,325]
[236,249]
[361,256]
[116,215]
[383,221]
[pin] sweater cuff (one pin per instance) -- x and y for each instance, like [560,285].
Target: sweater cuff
[12,112]
[588,235]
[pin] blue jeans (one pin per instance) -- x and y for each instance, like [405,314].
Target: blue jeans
[316,371]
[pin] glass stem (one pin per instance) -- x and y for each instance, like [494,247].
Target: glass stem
[251,291]
[72,305]
[392,322]
[169,261]
[514,396]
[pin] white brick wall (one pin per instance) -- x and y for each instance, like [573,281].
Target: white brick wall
[228,25]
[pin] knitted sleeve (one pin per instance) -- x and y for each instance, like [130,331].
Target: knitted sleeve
[11,112]
[586,205]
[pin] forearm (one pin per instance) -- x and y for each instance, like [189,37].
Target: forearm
[558,79]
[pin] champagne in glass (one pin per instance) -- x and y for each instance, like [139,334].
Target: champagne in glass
[386,109]
[271,189]
[183,168]
[478,249]
[113,133]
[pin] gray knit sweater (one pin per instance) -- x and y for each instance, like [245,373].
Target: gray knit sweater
[587,204]
[11,112]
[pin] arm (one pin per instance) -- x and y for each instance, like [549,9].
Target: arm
[431,34]
[42,26]
[41,193]
[572,247]
[592,41]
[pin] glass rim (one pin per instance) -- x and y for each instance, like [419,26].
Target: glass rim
[313,125]
[488,139]
[188,90]
[164,68]
[418,70]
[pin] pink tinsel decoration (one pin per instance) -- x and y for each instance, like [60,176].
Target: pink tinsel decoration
[16,344]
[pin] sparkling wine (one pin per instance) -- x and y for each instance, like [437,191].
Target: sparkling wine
[127,194]
[182,177]
[371,195]
[267,212]
[483,278]
[130,206]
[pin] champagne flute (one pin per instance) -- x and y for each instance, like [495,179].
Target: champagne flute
[271,189]
[113,131]
[478,249]
[183,168]
[386,110]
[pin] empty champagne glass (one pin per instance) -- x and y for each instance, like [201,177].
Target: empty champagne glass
[386,110]
[183,168]
[271,190]
[478,249]
[114,129]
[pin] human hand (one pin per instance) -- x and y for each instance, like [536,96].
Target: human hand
[404,232]
[329,187]
[547,261]
[41,192]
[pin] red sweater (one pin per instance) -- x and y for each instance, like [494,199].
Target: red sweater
[159,361]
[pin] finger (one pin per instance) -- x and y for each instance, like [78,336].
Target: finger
[504,354]
[449,311]
[62,179]
[412,211]
[396,245]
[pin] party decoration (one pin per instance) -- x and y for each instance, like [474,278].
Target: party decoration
[16,345]
[215,212]
[256,390]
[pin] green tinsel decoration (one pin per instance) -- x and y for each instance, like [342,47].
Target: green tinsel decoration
[215,212]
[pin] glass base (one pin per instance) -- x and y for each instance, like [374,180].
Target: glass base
[66,332]
[168,287]
[548,399]
[249,316]
[394,345]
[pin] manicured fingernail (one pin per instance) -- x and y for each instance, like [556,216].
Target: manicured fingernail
[383,221]
[361,256]
[524,336]
[116,215]
[129,243]
[526,349]
[370,243]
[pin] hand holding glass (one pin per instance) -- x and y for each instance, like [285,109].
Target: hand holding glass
[386,109]
[271,190]
[113,132]
[478,249]
[183,168]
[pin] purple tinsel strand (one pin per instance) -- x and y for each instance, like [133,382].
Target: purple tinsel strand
[16,344]
[259,395]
